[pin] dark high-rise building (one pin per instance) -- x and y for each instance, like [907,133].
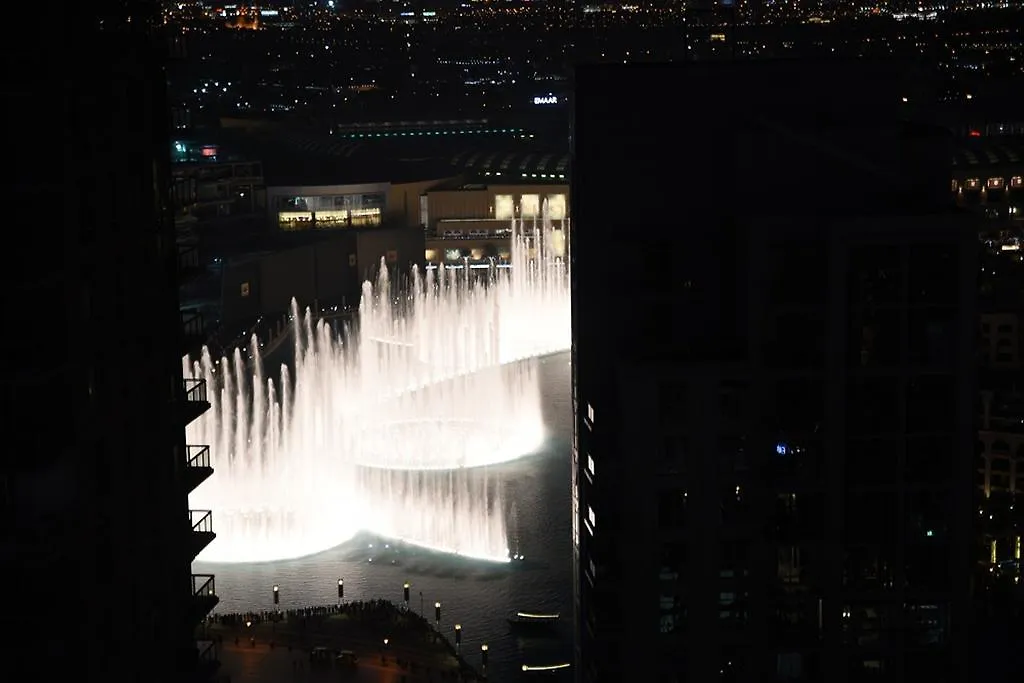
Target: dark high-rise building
[774,428]
[98,537]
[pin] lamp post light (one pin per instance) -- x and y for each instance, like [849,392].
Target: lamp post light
[341,590]
[437,613]
[458,638]
[405,594]
[277,595]
[483,658]
[383,654]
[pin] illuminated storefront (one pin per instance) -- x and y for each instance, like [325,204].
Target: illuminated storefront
[327,211]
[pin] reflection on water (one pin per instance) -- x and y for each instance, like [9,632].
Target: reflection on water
[477,595]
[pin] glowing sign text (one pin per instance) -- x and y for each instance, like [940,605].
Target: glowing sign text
[545,99]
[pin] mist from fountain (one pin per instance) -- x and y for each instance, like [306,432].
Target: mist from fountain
[379,427]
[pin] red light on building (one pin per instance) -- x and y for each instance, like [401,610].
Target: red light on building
[973,134]
[209,151]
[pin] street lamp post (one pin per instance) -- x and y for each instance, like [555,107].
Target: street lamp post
[341,590]
[405,594]
[383,654]
[483,658]
[437,614]
[458,638]
[277,596]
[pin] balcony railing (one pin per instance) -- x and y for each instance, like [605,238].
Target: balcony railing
[203,586]
[192,327]
[195,390]
[207,651]
[197,456]
[201,521]
[188,257]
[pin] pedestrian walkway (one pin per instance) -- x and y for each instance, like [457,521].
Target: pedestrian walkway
[390,644]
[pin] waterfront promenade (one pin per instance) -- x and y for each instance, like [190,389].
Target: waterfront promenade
[268,647]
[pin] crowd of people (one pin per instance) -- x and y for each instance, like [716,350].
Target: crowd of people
[369,619]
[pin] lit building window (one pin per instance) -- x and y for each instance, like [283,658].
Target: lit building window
[972,183]
[995,183]
[556,207]
[529,206]
[504,207]
[956,185]
[591,517]
[590,464]
[590,412]
[1017,181]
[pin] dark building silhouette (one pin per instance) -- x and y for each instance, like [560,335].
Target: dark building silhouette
[98,538]
[774,404]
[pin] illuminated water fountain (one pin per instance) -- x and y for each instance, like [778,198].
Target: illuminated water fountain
[389,427]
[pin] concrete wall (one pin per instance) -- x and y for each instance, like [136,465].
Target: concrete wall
[337,271]
[403,204]
[401,249]
[286,275]
[240,291]
[331,271]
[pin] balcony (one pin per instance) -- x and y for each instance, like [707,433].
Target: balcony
[197,466]
[191,400]
[189,261]
[202,530]
[208,659]
[193,332]
[204,596]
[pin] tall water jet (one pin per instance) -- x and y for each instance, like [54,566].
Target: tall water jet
[358,433]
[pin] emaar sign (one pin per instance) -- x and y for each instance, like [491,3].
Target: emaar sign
[545,99]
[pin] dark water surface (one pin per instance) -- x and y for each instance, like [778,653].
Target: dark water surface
[478,595]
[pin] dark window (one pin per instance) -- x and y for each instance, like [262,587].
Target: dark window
[929,459]
[671,509]
[932,337]
[928,565]
[673,454]
[870,516]
[873,462]
[731,399]
[794,339]
[875,276]
[869,568]
[799,517]
[798,274]
[734,560]
[931,404]
[934,276]
[866,624]
[735,506]
[795,623]
[732,454]
[672,402]
[798,406]
[873,405]
[927,514]
[798,566]
[926,623]
[660,277]
[874,338]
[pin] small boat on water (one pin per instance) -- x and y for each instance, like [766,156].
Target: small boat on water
[532,620]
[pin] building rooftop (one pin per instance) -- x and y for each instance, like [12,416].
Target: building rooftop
[988,152]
